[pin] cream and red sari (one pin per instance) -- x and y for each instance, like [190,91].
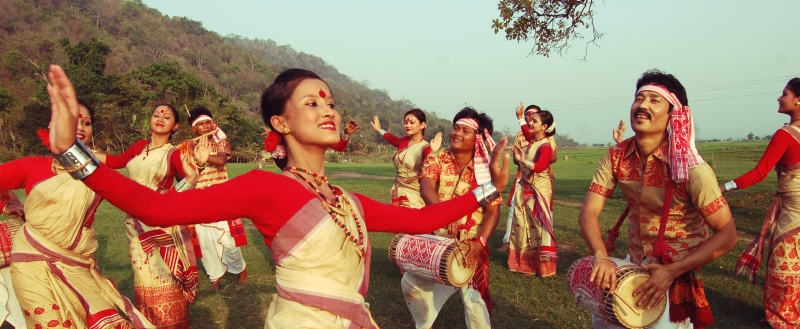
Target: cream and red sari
[163,259]
[408,161]
[781,229]
[55,274]
[321,276]
[532,245]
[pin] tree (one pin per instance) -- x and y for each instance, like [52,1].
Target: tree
[552,24]
[768,137]
[750,136]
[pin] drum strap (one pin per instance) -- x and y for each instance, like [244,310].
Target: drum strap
[661,248]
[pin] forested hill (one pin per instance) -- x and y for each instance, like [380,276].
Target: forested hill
[125,58]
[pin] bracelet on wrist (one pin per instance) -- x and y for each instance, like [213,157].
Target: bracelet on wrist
[481,240]
[485,194]
[729,186]
[183,185]
[382,132]
[78,161]
[346,136]
[522,122]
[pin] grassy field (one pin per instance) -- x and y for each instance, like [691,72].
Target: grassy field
[521,302]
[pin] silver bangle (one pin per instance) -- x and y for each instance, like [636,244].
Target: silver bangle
[522,122]
[383,132]
[183,185]
[485,194]
[78,160]
[529,164]
[730,186]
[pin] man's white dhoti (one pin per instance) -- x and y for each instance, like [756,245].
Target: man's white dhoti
[220,253]
[425,299]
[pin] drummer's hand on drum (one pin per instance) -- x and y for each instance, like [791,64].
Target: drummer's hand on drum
[654,290]
[475,248]
[452,228]
[499,171]
[604,275]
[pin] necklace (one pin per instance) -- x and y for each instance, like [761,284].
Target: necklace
[330,208]
[147,150]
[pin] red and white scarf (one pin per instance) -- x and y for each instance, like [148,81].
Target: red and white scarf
[481,157]
[682,150]
[218,135]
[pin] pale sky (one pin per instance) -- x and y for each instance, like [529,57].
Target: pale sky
[733,57]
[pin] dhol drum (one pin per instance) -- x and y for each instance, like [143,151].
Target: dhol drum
[8,229]
[620,307]
[437,258]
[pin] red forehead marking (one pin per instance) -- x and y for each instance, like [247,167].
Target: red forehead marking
[321,93]
[80,116]
[162,110]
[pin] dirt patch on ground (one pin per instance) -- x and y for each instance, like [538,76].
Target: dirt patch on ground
[350,174]
[568,203]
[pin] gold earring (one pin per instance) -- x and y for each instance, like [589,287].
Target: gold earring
[285,129]
[797,104]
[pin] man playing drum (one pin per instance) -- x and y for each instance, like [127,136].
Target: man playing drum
[661,162]
[449,173]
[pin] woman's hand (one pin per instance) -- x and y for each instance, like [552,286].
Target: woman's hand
[192,174]
[498,167]
[518,157]
[520,110]
[436,142]
[351,127]
[376,124]
[64,111]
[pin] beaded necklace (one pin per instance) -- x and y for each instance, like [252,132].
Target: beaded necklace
[329,207]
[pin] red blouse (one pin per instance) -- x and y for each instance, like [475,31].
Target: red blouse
[545,152]
[26,173]
[266,198]
[341,146]
[402,143]
[120,161]
[782,148]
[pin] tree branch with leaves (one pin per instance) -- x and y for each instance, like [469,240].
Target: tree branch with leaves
[552,24]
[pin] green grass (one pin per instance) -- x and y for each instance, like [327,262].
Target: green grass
[521,302]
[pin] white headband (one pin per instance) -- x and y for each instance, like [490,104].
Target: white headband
[200,119]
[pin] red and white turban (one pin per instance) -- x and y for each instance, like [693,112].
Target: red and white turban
[683,153]
[481,157]
[218,135]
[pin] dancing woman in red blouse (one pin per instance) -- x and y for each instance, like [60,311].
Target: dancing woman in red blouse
[782,222]
[317,232]
[411,152]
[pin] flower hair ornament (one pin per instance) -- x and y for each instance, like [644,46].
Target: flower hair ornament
[551,128]
[272,144]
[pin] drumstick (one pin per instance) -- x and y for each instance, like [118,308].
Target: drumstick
[204,135]
[626,304]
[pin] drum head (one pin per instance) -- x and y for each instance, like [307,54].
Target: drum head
[624,304]
[459,275]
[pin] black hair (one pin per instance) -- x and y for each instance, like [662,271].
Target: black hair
[417,113]
[275,97]
[547,119]
[174,113]
[197,112]
[84,103]
[669,81]
[484,121]
[794,86]
[533,107]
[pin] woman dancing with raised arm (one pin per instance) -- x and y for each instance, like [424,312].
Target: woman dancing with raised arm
[317,232]
[781,226]
[162,257]
[411,152]
[53,265]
